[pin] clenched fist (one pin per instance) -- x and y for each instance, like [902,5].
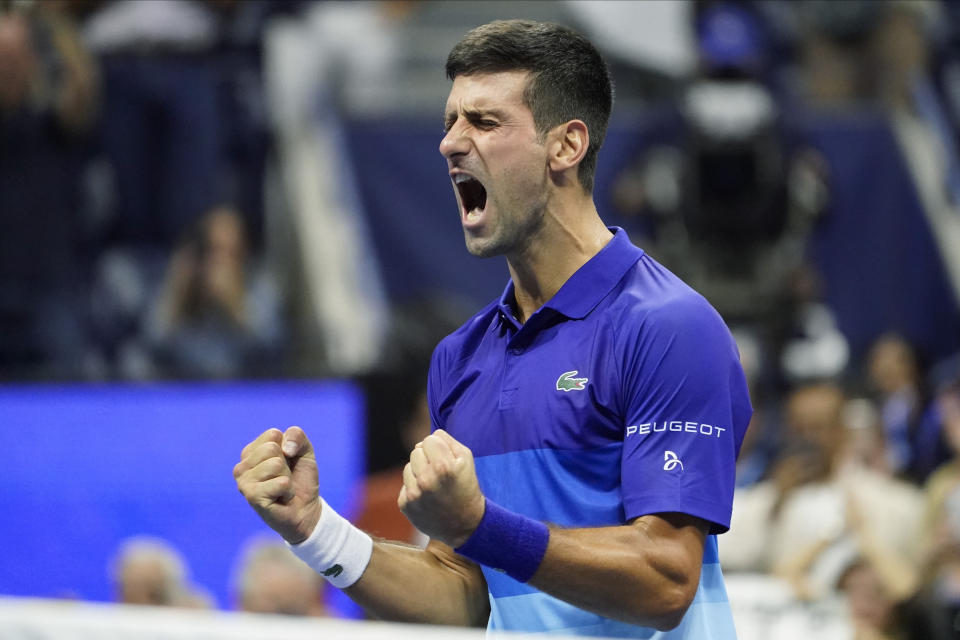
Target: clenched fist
[277,474]
[440,493]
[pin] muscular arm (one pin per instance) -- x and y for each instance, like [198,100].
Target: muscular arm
[644,573]
[277,474]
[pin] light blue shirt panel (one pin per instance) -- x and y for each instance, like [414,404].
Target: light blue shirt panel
[567,488]
[708,618]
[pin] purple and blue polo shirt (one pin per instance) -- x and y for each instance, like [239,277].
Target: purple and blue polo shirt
[622,396]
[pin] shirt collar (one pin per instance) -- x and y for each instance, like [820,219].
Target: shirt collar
[589,284]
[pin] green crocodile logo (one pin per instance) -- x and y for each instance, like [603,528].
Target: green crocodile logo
[567,382]
[333,571]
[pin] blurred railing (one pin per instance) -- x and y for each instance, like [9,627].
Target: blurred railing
[763,607]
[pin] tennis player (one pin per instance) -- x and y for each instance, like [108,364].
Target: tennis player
[586,423]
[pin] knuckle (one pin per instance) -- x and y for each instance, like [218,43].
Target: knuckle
[273,466]
[272,449]
[413,492]
[427,483]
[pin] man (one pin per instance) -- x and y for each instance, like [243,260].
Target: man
[599,394]
[270,579]
[149,571]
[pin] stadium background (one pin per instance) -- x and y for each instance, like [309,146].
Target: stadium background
[220,216]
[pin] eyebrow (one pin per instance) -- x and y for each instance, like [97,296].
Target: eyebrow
[473,114]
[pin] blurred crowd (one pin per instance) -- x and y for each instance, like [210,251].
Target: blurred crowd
[143,162]
[267,578]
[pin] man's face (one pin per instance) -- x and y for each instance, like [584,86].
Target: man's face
[497,165]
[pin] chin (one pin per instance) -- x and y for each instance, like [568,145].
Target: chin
[483,247]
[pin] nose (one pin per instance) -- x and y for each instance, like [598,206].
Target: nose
[454,143]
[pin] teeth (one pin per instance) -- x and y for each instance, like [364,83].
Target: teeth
[461,177]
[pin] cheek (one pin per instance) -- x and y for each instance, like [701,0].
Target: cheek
[521,170]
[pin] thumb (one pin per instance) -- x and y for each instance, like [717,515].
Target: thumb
[296,444]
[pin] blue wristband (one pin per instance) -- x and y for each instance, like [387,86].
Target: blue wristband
[508,542]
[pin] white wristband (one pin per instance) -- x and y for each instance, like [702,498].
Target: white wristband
[336,549]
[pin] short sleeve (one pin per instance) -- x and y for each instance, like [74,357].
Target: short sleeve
[687,410]
[435,376]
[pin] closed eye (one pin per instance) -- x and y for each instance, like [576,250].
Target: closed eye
[484,124]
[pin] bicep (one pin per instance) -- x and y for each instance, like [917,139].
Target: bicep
[645,572]
[680,539]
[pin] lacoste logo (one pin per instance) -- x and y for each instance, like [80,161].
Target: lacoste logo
[567,382]
[333,571]
[671,461]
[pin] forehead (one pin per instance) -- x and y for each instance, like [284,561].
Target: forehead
[479,91]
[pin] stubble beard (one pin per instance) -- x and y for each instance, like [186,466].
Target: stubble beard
[512,235]
[513,231]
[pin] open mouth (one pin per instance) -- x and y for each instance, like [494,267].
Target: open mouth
[473,195]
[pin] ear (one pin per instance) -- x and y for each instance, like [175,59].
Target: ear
[569,145]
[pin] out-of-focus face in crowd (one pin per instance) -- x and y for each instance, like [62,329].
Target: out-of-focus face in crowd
[16,62]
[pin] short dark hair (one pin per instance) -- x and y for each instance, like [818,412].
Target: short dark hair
[570,79]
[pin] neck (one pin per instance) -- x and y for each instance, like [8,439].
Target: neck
[569,237]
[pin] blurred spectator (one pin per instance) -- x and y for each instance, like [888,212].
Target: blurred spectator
[270,579]
[823,500]
[942,515]
[876,604]
[942,490]
[828,498]
[247,139]
[218,313]
[864,50]
[48,97]
[149,571]
[184,132]
[913,445]
[161,114]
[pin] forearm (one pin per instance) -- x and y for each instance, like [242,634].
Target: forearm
[627,572]
[448,590]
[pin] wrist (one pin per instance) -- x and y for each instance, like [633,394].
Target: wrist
[508,542]
[335,549]
[305,528]
[475,516]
